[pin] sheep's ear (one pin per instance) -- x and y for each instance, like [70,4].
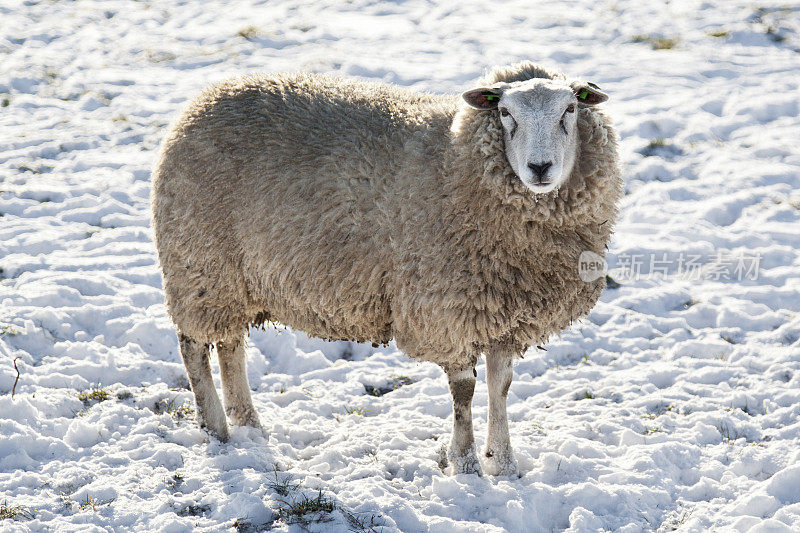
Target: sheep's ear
[588,93]
[484,98]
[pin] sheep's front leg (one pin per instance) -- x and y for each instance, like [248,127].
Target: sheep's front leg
[209,409]
[461,455]
[499,459]
[235,389]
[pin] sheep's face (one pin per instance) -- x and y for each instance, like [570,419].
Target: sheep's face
[539,118]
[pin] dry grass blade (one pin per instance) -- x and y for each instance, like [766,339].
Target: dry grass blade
[14,387]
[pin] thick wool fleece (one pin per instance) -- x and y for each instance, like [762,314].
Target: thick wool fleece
[362,211]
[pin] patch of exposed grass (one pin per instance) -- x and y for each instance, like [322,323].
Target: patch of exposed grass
[665,44]
[776,23]
[193,509]
[774,33]
[311,393]
[392,385]
[720,34]
[14,512]
[349,410]
[302,27]
[8,329]
[659,409]
[181,412]
[676,520]
[178,412]
[585,394]
[124,395]
[249,32]
[90,503]
[728,430]
[368,522]
[656,43]
[305,511]
[159,56]
[296,508]
[174,481]
[66,499]
[283,485]
[662,148]
[92,395]
[243,525]
[372,454]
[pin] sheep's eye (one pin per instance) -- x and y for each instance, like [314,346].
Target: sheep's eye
[504,111]
[571,108]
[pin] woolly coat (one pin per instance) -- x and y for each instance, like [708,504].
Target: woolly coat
[363,211]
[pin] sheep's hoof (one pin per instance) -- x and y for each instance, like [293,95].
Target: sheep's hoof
[500,462]
[221,434]
[466,463]
[247,417]
[253,427]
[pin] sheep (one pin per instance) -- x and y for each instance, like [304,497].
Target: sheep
[362,211]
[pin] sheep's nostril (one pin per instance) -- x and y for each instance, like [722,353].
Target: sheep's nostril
[540,169]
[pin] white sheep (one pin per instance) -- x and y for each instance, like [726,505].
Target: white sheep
[362,211]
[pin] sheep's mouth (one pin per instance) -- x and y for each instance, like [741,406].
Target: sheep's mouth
[531,183]
[538,184]
[540,187]
[537,187]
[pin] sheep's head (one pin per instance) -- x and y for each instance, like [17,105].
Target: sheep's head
[539,118]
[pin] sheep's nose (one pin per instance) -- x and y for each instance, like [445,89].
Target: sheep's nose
[540,169]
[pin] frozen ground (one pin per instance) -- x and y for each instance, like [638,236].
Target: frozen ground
[675,404]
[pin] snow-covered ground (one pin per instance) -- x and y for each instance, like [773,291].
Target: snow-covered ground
[674,404]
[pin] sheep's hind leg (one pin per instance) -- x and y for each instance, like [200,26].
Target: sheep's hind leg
[461,454]
[236,390]
[209,409]
[499,459]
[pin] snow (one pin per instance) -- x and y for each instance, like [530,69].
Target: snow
[674,405]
